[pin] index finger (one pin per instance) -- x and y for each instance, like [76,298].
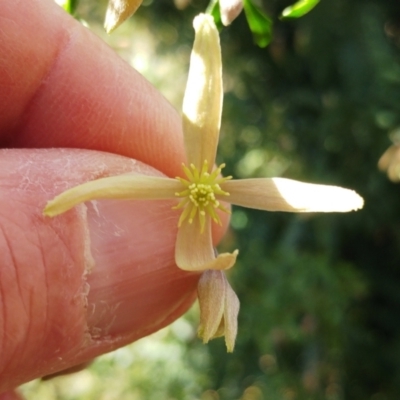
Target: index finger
[61,86]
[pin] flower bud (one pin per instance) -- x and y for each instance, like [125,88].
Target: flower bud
[229,10]
[219,308]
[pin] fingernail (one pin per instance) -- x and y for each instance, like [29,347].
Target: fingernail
[135,286]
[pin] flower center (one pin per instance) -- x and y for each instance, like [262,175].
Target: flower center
[198,199]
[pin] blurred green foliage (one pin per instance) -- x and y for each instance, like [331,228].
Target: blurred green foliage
[299,9]
[320,294]
[259,23]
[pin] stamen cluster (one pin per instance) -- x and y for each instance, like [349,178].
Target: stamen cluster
[199,194]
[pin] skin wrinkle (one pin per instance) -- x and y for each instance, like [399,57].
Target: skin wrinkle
[13,359]
[14,351]
[80,291]
[14,263]
[45,274]
[88,266]
[41,247]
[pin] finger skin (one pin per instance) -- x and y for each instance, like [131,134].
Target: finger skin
[61,86]
[10,395]
[88,281]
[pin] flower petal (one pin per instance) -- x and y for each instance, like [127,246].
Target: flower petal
[127,186]
[280,194]
[202,104]
[211,294]
[232,305]
[219,308]
[118,11]
[194,251]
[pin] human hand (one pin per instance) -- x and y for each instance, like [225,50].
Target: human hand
[95,278]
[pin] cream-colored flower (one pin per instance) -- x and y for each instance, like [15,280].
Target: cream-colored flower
[219,308]
[390,162]
[202,190]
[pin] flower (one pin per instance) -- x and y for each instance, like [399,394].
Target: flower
[390,162]
[219,308]
[202,189]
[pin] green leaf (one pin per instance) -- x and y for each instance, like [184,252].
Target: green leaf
[299,9]
[68,5]
[260,24]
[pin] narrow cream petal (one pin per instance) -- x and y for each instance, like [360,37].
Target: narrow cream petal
[125,186]
[118,11]
[202,104]
[194,251]
[220,331]
[280,194]
[231,311]
[211,294]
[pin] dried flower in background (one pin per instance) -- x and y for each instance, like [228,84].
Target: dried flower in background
[390,162]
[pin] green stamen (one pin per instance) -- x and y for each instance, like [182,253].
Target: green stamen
[198,194]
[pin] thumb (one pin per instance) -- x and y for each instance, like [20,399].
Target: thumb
[10,395]
[88,281]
